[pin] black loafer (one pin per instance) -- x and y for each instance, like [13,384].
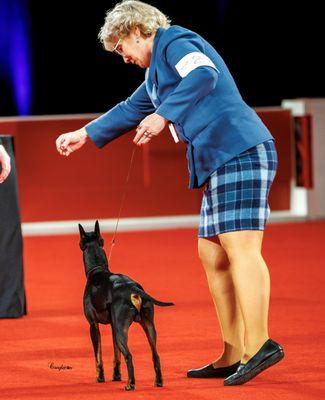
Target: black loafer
[269,354]
[210,372]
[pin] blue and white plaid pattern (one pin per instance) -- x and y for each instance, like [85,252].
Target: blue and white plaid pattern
[236,194]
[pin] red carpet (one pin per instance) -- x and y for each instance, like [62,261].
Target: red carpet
[165,263]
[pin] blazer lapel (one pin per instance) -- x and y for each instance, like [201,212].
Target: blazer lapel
[151,72]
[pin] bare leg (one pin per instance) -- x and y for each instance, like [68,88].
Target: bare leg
[252,284]
[216,265]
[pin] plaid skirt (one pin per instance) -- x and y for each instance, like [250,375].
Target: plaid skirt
[236,194]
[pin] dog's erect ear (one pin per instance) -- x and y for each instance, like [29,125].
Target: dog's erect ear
[97,228]
[82,231]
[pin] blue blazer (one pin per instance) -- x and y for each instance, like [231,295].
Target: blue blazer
[188,83]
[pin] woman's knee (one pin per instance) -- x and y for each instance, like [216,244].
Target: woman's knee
[212,255]
[241,244]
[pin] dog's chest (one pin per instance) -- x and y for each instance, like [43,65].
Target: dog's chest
[103,317]
[97,303]
[101,304]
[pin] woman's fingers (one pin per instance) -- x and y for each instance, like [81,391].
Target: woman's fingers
[5,164]
[143,135]
[67,151]
[59,142]
[149,127]
[143,140]
[65,142]
[6,167]
[62,142]
[141,129]
[71,141]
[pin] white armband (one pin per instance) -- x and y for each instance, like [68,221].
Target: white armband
[191,61]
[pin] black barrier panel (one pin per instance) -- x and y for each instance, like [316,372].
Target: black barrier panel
[12,291]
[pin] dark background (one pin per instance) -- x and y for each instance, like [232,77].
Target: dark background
[272,48]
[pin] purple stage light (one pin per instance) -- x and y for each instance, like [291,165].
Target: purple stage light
[15,60]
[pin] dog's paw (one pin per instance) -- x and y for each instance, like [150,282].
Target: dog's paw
[116,378]
[100,379]
[129,386]
[159,384]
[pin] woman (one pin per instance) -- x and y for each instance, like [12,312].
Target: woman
[229,150]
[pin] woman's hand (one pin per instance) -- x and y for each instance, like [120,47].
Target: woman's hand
[5,164]
[71,141]
[148,128]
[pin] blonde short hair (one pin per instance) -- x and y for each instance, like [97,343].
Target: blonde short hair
[127,15]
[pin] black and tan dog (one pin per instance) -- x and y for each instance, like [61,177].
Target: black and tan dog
[117,300]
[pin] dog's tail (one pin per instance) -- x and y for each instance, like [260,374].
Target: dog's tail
[146,296]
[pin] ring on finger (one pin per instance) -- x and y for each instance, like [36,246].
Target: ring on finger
[147,134]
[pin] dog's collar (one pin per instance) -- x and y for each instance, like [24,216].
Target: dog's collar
[94,269]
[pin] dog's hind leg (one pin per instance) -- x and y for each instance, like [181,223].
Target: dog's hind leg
[122,317]
[116,359]
[147,323]
[95,338]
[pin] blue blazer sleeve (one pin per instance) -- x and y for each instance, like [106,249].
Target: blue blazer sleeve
[121,118]
[196,85]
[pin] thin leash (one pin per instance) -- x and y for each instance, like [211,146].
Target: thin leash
[122,202]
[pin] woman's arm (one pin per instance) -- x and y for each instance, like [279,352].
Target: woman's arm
[117,121]
[121,118]
[198,75]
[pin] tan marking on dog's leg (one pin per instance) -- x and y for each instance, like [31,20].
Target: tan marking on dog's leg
[136,301]
[99,355]
[99,359]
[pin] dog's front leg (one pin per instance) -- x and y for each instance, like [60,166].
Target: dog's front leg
[95,338]
[116,359]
